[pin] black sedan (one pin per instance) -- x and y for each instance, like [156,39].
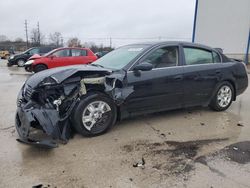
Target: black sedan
[131,80]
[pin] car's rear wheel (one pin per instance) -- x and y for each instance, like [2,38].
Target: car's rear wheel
[223,97]
[20,62]
[94,115]
[39,68]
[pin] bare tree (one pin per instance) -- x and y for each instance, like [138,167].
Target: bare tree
[56,39]
[36,37]
[74,42]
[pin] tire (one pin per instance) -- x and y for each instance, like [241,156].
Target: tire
[89,123]
[39,68]
[223,97]
[20,62]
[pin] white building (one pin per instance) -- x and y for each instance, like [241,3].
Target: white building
[224,24]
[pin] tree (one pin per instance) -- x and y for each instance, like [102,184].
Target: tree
[56,39]
[36,37]
[74,42]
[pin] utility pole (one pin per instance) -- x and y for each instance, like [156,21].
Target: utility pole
[26,32]
[38,33]
[110,42]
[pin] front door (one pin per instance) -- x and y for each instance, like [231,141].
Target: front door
[60,58]
[159,88]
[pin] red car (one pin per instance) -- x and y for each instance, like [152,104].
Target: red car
[60,57]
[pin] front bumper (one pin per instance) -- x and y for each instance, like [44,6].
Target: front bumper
[28,68]
[40,125]
[11,62]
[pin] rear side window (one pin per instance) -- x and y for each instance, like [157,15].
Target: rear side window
[194,56]
[77,52]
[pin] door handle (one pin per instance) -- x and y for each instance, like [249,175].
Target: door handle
[217,71]
[178,77]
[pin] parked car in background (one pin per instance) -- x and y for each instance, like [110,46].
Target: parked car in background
[60,57]
[131,80]
[4,54]
[100,54]
[20,59]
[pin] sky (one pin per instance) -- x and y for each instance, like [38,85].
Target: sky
[124,21]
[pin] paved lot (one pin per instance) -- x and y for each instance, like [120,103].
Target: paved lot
[183,148]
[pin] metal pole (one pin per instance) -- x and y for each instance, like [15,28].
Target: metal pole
[38,33]
[26,32]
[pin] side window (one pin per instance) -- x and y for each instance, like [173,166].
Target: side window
[216,57]
[194,56]
[77,52]
[62,53]
[34,51]
[163,57]
[44,50]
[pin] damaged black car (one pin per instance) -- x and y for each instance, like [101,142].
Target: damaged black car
[131,80]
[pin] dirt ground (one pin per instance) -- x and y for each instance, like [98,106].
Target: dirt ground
[183,148]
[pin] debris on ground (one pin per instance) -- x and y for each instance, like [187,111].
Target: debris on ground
[37,186]
[170,158]
[140,163]
[240,124]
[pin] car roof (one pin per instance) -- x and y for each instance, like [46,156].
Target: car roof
[184,43]
[72,48]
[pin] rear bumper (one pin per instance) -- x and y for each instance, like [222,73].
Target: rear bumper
[242,84]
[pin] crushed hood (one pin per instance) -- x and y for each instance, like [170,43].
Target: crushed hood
[36,56]
[62,73]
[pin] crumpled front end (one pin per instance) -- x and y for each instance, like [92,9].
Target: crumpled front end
[47,100]
[40,120]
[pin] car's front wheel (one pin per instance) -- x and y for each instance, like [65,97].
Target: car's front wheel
[39,68]
[94,115]
[223,97]
[20,62]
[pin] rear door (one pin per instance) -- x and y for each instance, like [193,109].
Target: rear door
[201,73]
[159,88]
[78,56]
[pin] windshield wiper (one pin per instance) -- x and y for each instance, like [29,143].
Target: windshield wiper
[97,65]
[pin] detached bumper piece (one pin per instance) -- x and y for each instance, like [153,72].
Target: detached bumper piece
[42,123]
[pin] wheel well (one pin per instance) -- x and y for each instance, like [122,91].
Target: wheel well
[41,64]
[234,87]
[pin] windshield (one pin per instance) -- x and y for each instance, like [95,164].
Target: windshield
[28,50]
[120,57]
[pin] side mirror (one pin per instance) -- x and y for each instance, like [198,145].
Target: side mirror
[144,66]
